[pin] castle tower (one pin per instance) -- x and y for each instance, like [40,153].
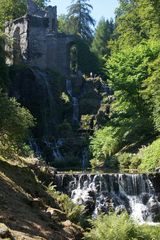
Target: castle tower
[36,41]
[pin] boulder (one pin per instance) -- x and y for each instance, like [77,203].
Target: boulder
[56,213]
[4,231]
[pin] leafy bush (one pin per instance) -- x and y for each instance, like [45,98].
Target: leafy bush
[147,159]
[15,122]
[124,160]
[103,144]
[150,157]
[152,232]
[121,227]
[65,97]
[134,77]
[74,212]
[86,121]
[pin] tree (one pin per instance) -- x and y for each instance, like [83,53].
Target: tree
[80,20]
[135,114]
[128,71]
[12,9]
[15,122]
[42,3]
[136,21]
[63,25]
[87,60]
[102,35]
[128,32]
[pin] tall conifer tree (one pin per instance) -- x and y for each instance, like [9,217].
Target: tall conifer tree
[80,20]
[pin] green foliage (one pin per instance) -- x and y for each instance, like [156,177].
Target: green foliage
[42,3]
[129,71]
[12,9]
[103,33]
[150,157]
[151,91]
[153,233]
[14,124]
[146,160]
[80,20]
[86,121]
[109,227]
[103,144]
[63,24]
[124,160]
[136,21]
[65,97]
[74,212]
[87,60]
[135,113]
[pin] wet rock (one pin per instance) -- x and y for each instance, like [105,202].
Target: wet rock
[155,180]
[120,209]
[36,203]
[157,170]
[56,213]
[154,207]
[145,198]
[89,206]
[104,193]
[145,214]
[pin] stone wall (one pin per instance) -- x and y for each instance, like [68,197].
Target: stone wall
[37,32]
[36,42]
[17,47]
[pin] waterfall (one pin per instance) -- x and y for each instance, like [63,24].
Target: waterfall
[85,158]
[135,193]
[55,147]
[47,102]
[75,110]
[56,152]
[69,87]
[75,105]
[34,146]
[44,80]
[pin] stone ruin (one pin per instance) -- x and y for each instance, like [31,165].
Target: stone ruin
[37,42]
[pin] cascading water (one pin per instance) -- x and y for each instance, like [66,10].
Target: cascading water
[85,159]
[55,146]
[75,117]
[69,87]
[44,85]
[34,146]
[75,110]
[134,193]
[44,79]
[56,152]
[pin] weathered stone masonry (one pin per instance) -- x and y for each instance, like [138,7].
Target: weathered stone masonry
[37,42]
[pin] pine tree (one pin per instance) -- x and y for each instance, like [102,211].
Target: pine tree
[80,20]
[103,34]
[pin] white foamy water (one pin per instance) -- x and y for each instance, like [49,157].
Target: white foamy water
[99,193]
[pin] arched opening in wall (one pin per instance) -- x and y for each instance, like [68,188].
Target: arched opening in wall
[16,47]
[72,58]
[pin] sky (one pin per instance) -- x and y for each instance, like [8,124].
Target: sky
[101,8]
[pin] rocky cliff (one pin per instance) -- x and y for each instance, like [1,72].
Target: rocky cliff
[67,111]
